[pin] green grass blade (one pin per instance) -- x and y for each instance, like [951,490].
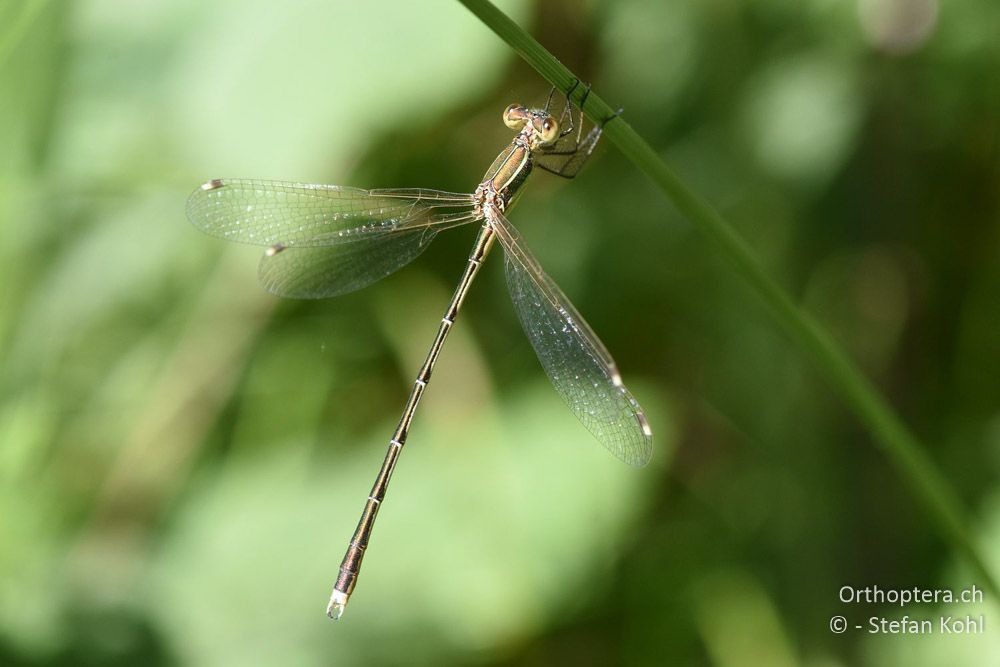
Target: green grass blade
[903,449]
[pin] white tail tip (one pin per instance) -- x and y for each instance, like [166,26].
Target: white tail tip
[338,602]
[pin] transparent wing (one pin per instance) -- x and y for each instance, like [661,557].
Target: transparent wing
[326,240]
[318,272]
[273,213]
[573,357]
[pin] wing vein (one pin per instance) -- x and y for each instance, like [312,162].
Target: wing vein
[574,358]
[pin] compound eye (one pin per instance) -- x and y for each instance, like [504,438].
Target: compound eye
[549,130]
[514,117]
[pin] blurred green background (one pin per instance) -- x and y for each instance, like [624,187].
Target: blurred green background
[183,457]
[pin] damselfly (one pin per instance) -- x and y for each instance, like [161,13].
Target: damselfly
[325,240]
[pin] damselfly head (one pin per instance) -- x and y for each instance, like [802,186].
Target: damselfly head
[544,128]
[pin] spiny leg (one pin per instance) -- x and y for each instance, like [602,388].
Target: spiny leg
[552,92]
[548,100]
[567,162]
[568,109]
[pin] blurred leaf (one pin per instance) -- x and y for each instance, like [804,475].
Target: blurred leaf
[801,117]
[738,621]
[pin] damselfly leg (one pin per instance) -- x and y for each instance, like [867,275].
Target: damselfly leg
[567,156]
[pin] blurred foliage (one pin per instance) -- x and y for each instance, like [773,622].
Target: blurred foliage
[182,457]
